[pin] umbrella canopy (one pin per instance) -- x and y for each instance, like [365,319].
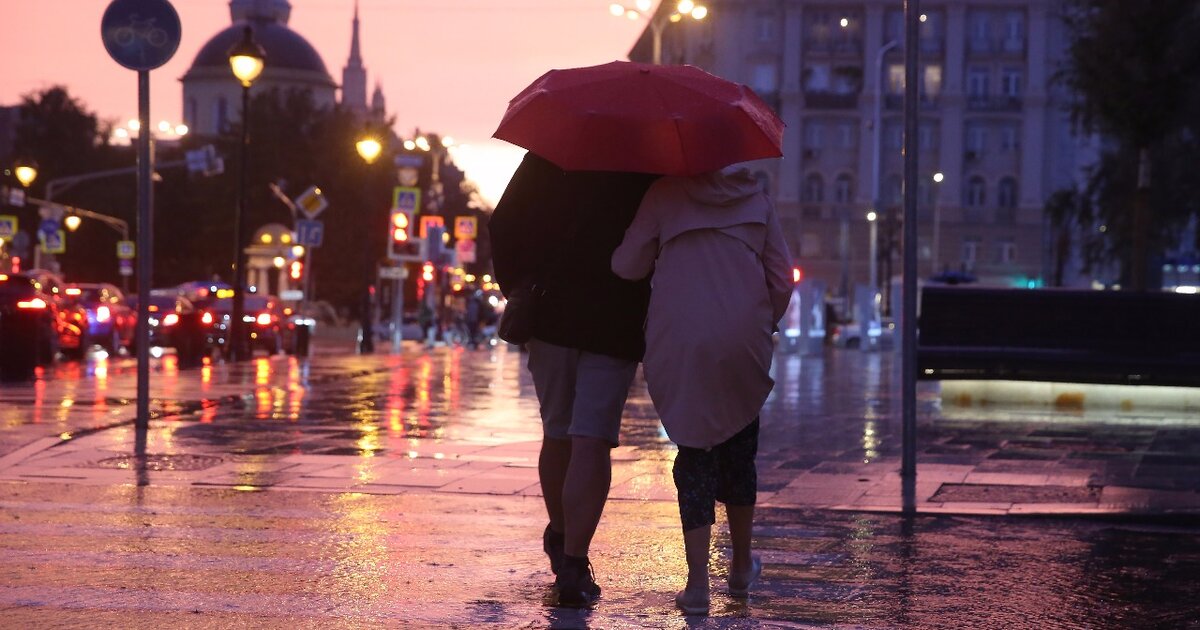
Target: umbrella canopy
[626,116]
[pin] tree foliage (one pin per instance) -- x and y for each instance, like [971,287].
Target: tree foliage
[293,144]
[1134,69]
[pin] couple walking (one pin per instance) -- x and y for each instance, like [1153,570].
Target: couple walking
[687,274]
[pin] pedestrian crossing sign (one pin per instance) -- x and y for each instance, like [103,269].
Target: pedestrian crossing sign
[53,242]
[8,227]
[407,198]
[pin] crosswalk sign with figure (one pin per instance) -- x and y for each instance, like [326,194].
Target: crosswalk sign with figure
[407,198]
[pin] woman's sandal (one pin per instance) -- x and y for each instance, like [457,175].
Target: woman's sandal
[744,590]
[691,608]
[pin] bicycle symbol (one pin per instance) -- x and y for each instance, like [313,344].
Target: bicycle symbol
[144,29]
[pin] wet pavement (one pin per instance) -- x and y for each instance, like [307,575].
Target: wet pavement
[401,491]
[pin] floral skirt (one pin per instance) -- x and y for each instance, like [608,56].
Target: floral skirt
[725,473]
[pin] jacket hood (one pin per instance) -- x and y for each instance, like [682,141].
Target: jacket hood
[725,187]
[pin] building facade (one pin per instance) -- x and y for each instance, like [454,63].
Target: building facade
[992,123]
[212,96]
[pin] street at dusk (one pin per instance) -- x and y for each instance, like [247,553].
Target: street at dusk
[400,490]
[608,314]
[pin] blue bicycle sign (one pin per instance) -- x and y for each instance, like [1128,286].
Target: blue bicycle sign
[140,34]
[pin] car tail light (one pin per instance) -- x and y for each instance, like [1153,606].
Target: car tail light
[207,318]
[264,319]
[170,320]
[37,303]
[102,314]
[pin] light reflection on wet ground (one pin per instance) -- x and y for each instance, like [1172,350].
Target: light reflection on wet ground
[219,557]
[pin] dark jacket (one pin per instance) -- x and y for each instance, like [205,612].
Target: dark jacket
[559,229]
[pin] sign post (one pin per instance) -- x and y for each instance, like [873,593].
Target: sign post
[142,35]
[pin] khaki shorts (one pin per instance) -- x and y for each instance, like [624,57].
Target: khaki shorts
[580,394]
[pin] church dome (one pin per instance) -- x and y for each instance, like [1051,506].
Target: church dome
[285,49]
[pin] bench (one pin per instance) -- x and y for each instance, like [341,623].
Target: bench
[1058,335]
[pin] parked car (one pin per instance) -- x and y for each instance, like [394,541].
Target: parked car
[267,327]
[28,326]
[69,320]
[110,321]
[850,335]
[176,323]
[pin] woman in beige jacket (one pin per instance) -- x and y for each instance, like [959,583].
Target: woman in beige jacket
[721,281]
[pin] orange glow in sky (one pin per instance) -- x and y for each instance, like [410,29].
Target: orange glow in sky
[446,66]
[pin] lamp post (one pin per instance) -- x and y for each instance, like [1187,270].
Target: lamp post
[435,290]
[246,60]
[658,21]
[369,149]
[874,250]
[877,170]
[937,222]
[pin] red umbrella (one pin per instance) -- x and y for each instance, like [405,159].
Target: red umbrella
[626,116]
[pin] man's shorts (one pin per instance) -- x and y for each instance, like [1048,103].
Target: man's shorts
[580,393]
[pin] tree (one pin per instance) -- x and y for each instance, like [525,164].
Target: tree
[1133,67]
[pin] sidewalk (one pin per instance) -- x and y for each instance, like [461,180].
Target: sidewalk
[830,440]
[401,491]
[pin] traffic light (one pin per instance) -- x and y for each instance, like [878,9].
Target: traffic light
[797,275]
[401,243]
[296,270]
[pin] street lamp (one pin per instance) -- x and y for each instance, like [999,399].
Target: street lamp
[659,20]
[26,173]
[246,59]
[369,148]
[937,220]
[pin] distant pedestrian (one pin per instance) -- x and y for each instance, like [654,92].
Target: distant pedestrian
[473,315]
[721,281]
[556,231]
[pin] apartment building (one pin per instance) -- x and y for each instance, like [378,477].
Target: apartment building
[992,124]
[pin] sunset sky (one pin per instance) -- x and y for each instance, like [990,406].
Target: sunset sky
[446,66]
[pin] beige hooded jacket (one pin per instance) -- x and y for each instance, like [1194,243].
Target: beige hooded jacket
[721,280]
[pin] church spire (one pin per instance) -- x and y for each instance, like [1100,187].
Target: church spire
[354,75]
[355,56]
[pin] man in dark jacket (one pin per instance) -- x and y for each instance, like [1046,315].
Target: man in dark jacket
[558,230]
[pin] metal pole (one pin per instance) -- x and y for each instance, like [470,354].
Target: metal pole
[397,312]
[937,228]
[908,466]
[145,254]
[844,252]
[874,246]
[656,31]
[236,341]
[877,160]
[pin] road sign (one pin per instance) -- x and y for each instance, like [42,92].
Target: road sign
[205,161]
[429,222]
[125,268]
[140,34]
[465,248]
[465,227]
[48,226]
[8,226]
[311,202]
[310,233]
[393,273]
[407,198]
[14,196]
[125,250]
[53,242]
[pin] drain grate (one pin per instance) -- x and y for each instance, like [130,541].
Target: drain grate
[158,462]
[995,493]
